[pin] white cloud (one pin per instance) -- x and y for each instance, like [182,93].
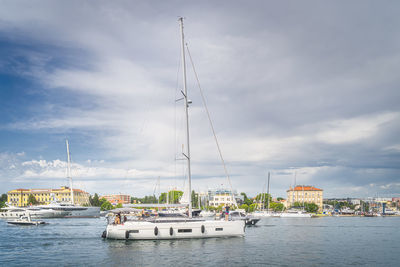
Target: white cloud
[354,129]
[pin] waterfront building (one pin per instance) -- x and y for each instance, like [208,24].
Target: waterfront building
[354,201]
[222,196]
[19,197]
[306,194]
[383,199]
[118,199]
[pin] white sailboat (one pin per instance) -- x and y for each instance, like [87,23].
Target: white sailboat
[176,227]
[263,212]
[71,209]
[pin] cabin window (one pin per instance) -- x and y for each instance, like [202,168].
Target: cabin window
[219,229]
[184,230]
[134,231]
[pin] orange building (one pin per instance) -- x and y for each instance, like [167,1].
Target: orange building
[118,199]
[306,194]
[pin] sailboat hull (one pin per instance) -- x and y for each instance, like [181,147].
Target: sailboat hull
[144,230]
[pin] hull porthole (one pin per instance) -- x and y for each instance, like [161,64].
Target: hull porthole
[203,229]
[171,231]
[127,234]
[155,231]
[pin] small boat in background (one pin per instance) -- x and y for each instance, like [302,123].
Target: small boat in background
[248,219]
[25,220]
[295,214]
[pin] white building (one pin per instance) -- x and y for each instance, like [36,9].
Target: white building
[224,197]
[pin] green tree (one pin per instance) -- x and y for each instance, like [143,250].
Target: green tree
[280,198]
[245,207]
[264,198]
[3,200]
[118,206]
[106,205]
[311,207]
[32,200]
[149,200]
[364,206]
[252,207]
[101,201]
[174,196]
[246,200]
[195,199]
[95,200]
[297,205]
[277,206]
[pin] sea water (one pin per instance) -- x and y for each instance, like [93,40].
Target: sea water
[327,241]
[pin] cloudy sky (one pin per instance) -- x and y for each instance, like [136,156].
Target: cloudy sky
[296,88]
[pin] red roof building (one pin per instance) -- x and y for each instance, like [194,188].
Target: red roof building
[304,194]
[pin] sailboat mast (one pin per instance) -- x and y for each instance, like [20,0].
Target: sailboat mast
[168,196]
[268,193]
[69,171]
[185,96]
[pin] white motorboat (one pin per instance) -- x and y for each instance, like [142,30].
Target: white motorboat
[179,226]
[295,214]
[346,211]
[73,211]
[248,219]
[33,212]
[25,220]
[265,213]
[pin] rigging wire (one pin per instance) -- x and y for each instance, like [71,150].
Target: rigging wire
[211,124]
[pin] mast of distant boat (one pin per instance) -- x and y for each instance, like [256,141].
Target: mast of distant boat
[268,194]
[185,96]
[303,198]
[69,172]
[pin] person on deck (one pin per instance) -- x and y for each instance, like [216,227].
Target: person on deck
[117,219]
[226,213]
